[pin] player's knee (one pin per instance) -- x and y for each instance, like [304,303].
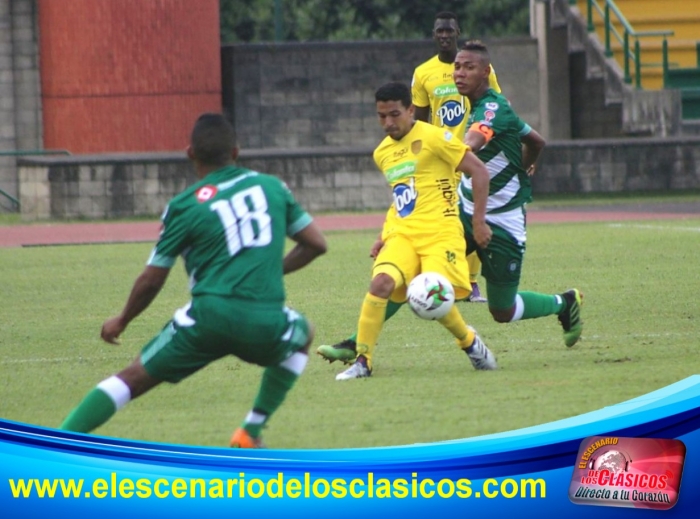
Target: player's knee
[310,339]
[382,285]
[502,316]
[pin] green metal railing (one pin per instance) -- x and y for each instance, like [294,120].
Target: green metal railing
[631,55]
[17,153]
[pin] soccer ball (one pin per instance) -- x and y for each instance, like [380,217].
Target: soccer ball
[430,295]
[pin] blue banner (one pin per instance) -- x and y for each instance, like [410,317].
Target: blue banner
[523,473]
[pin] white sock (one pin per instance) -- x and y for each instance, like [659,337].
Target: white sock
[116,389]
[519,309]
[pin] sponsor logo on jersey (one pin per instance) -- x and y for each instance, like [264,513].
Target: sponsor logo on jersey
[448,136]
[403,170]
[445,90]
[400,153]
[489,115]
[405,196]
[451,113]
[205,193]
[491,106]
[416,146]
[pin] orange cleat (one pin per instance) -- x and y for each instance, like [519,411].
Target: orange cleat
[242,440]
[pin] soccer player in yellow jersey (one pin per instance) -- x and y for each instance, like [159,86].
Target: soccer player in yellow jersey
[437,101]
[422,231]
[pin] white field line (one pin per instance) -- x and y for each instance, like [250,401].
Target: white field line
[653,227]
[516,340]
[57,360]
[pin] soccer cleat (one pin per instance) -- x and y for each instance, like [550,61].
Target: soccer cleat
[475,296]
[345,351]
[359,369]
[570,317]
[242,440]
[480,356]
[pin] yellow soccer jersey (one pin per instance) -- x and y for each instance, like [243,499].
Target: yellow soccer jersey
[433,86]
[420,168]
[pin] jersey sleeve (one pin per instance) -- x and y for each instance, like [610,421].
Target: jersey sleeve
[493,81]
[419,95]
[449,148]
[493,118]
[172,239]
[297,218]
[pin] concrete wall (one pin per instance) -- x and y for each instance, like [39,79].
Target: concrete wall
[335,179]
[322,94]
[20,101]
[614,165]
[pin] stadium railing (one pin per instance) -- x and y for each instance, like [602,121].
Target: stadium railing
[611,14]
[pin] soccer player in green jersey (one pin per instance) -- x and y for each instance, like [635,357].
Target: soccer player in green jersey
[230,229]
[437,101]
[509,148]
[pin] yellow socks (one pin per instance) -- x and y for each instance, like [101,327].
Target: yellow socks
[370,324]
[454,322]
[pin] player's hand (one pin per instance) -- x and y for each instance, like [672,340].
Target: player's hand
[376,247]
[482,234]
[112,329]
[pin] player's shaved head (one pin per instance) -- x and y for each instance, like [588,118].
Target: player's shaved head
[477,47]
[213,140]
[447,15]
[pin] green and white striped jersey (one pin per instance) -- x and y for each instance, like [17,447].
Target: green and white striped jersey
[510,188]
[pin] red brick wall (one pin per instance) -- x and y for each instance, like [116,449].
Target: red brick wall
[127,75]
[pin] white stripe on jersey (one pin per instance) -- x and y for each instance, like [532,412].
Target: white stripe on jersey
[182,318]
[231,183]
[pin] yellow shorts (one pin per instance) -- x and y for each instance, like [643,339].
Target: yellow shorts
[404,258]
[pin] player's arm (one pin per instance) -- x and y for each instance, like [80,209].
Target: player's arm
[478,135]
[144,291]
[420,98]
[472,166]
[310,244]
[421,113]
[533,143]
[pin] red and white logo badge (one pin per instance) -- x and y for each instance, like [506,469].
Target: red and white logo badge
[205,193]
[489,115]
[628,472]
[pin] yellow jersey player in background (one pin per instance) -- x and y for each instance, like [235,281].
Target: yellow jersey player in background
[437,101]
[422,231]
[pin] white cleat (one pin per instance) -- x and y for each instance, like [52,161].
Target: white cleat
[481,357]
[358,369]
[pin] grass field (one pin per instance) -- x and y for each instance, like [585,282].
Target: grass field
[641,333]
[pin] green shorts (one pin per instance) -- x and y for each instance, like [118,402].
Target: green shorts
[211,327]
[501,263]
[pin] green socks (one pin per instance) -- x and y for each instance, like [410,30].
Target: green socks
[276,383]
[95,409]
[540,305]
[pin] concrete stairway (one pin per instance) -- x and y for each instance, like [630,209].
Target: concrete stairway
[680,16]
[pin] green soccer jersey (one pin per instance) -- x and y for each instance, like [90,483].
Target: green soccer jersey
[230,229]
[509,188]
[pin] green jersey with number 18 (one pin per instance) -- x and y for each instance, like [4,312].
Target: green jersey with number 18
[230,229]
[509,187]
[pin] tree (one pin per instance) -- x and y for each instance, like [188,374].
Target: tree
[334,20]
